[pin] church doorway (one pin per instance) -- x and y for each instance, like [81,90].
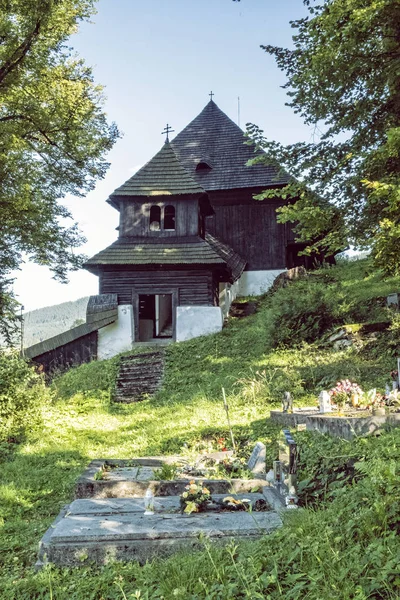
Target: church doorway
[155,317]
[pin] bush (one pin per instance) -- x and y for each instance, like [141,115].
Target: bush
[302,312]
[22,395]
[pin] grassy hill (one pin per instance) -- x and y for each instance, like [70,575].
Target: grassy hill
[343,544]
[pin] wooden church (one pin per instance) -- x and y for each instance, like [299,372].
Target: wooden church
[191,236]
[190,239]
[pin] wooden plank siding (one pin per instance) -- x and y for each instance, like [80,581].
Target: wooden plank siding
[195,287]
[252,231]
[135,218]
[81,350]
[250,227]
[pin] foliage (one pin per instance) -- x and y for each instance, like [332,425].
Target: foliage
[350,293]
[344,542]
[54,135]
[269,384]
[22,396]
[295,322]
[167,472]
[343,80]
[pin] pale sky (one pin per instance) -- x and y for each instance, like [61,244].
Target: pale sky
[158,61]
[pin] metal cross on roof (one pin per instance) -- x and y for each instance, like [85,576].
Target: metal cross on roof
[211,94]
[166,131]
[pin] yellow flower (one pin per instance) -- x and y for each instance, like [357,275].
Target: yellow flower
[205,490]
[184,495]
[191,507]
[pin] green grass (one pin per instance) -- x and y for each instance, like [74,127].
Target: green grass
[347,549]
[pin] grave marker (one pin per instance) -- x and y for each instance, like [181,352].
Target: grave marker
[256,462]
[324,402]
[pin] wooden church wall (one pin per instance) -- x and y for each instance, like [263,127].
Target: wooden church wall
[81,350]
[196,287]
[249,227]
[135,218]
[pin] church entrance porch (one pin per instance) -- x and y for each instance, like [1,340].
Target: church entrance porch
[155,317]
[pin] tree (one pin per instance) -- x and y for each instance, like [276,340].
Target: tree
[343,79]
[53,136]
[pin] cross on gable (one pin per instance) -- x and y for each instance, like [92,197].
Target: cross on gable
[211,94]
[166,131]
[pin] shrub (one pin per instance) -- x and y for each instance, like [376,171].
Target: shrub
[22,395]
[302,312]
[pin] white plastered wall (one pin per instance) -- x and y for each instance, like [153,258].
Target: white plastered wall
[116,337]
[255,283]
[194,321]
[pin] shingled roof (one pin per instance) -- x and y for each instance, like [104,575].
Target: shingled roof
[163,175]
[235,262]
[168,251]
[214,135]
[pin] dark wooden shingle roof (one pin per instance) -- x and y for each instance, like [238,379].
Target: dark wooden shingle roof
[214,135]
[163,175]
[235,262]
[168,251]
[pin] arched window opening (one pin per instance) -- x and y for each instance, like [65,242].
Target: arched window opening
[155,218]
[169,218]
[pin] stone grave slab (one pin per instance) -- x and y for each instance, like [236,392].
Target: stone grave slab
[127,534]
[106,521]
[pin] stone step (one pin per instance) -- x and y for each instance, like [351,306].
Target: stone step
[139,375]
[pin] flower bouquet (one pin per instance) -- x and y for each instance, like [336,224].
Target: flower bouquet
[195,498]
[344,392]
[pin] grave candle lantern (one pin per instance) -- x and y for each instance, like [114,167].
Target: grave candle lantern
[149,502]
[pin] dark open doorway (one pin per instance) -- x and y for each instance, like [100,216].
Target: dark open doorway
[155,317]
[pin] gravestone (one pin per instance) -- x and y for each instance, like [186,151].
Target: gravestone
[324,402]
[256,463]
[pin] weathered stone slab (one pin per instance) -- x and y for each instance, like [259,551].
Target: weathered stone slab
[256,463]
[77,539]
[145,474]
[122,474]
[169,504]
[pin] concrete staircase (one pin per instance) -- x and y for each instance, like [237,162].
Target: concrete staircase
[140,375]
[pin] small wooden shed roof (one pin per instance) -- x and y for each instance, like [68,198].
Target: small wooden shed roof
[163,175]
[170,251]
[212,134]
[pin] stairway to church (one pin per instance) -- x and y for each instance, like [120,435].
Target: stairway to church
[140,375]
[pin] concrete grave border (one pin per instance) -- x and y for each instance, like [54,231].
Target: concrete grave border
[346,427]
